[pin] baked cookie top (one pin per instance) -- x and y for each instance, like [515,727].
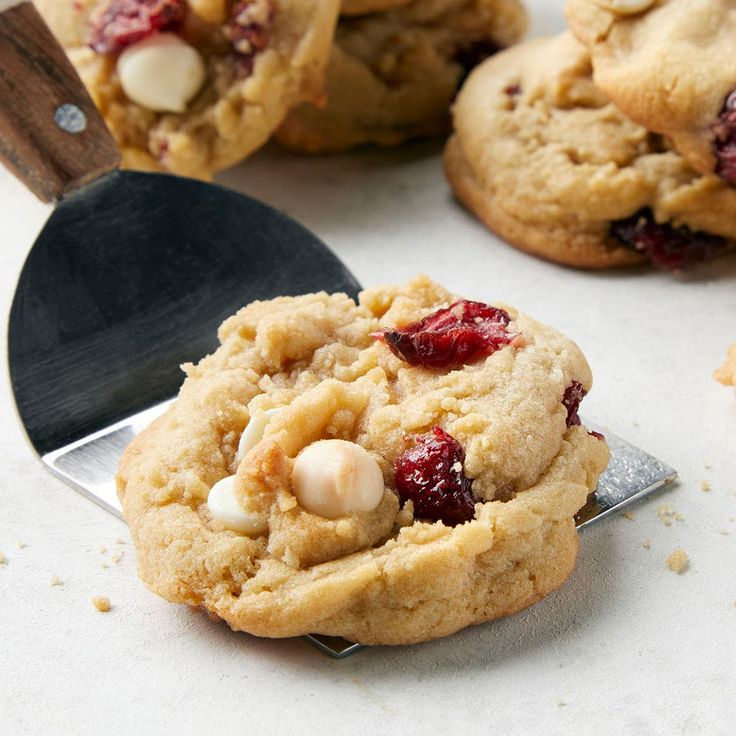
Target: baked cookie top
[550,164]
[193,87]
[669,65]
[469,472]
[392,76]
[726,374]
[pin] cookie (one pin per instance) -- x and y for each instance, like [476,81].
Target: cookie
[194,87]
[365,7]
[392,76]
[669,66]
[545,160]
[726,374]
[315,475]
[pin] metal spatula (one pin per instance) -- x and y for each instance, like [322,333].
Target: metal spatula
[133,273]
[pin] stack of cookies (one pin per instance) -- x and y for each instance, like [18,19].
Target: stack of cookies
[194,86]
[608,145]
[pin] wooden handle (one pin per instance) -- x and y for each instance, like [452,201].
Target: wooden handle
[51,136]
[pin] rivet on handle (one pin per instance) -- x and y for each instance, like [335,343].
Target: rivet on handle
[70,118]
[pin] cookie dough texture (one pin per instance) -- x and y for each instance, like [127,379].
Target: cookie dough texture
[545,160]
[726,374]
[230,117]
[373,577]
[392,76]
[669,65]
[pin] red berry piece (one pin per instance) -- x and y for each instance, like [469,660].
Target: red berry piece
[724,139]
[431,475]
[574,394]
[249,32]
[121,23]
[600,437]
[452,337]
[668,247]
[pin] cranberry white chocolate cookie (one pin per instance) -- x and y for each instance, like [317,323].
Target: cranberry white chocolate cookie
[392,76]
[726,374]
[669,65]
[193,87]
[388,471]
[548,163]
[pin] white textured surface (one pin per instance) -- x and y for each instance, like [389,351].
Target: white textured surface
[625,647]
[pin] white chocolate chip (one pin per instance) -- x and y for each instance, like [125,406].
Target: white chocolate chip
[162,72]
[224,506]
[253,433]
[626,7]
[333,478]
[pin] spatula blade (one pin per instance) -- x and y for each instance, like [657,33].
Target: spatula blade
[122,271]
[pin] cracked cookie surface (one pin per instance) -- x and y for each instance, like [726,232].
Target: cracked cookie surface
[244,96]
[547,162]
[669,65]
[392,76]
[380,576]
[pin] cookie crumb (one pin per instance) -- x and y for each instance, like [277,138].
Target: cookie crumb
[117,557]
[104,566]
[679,516]
[560,703]
[678,561]
[56,581]
[21,545]
[628,515]
[647,543]
[3,559]
[102,549]
[704,485]
[725,532]
[666,514]
[119,540]
[101,603]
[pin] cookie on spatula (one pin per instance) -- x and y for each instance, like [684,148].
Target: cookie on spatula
[388,471]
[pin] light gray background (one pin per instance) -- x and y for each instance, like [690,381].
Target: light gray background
[626,646]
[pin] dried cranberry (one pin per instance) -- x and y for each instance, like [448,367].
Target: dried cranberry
[452,337]
[724,139]
[574,394]
[669,247]
[248,31]
[123,22]
[513,90]
[470,55]
[597,435]
[431,475]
